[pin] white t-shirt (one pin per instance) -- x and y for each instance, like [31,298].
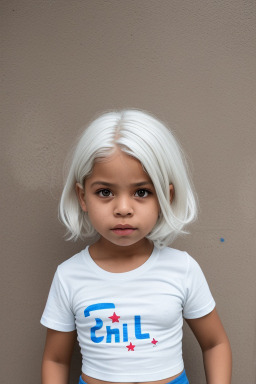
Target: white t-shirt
[129,324]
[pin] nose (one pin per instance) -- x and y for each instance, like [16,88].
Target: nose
[123,207]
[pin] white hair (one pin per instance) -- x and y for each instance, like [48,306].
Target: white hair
[145,138]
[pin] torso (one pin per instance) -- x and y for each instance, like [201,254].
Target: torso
[149,303]
[91,380]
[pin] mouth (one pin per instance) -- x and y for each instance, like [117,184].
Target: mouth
[123,229]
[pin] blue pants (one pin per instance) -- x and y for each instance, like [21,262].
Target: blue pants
[182,379]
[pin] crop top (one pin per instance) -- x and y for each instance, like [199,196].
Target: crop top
[129,325]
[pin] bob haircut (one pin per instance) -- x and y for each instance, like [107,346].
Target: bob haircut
[145,138]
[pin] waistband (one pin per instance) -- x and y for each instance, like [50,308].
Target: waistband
[182,379]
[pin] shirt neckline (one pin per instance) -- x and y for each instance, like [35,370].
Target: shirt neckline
[123,275]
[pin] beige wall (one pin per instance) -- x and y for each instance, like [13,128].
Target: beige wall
[193,64]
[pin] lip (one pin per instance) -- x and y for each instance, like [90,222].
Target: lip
[123,226]
[123,229]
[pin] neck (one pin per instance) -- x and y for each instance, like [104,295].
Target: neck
[105,249]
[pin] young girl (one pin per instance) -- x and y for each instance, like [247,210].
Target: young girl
[124,297]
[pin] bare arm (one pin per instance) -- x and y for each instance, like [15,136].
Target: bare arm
[215,347]
[57,356]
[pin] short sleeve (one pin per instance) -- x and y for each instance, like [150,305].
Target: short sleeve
[58,314]
[199,301]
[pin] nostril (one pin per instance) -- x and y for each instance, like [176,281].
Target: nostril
[124,212]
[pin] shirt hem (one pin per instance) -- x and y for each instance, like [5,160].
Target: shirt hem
[138,377]
[57,326]
[202,312]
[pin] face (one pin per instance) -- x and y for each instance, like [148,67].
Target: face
[120,200]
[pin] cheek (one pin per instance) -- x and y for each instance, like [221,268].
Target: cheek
[152,214]
[157,208]
[97,214]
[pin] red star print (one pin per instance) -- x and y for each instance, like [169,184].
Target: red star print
[114,318]
[154,341]
[130,347]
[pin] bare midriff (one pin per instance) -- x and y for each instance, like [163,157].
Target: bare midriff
[91,380]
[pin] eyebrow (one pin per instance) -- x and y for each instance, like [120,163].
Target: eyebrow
[106,184]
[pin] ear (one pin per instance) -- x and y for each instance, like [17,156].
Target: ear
[81,196]
[172,192]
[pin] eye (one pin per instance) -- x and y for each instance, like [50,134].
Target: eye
[104,193]
[142,193]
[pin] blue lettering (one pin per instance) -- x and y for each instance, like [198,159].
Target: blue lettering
[125,333]
[95,307]
[138,333]
[111,332]
[99,324]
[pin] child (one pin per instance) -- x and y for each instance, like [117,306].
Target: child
[124,297]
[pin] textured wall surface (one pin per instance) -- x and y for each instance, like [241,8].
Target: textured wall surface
[193,64]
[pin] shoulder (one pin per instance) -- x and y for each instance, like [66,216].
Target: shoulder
[190,279]
[174,256]
[72,265]
[177,255]
[179,261]
[172,253]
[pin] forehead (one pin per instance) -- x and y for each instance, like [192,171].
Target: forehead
[119,167]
